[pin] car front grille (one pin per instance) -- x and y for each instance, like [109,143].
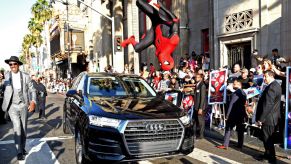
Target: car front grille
[153,136]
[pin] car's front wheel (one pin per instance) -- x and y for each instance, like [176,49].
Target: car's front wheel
[79,149]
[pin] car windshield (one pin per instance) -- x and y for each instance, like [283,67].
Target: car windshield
[112,87]
[138,87]
[105,86]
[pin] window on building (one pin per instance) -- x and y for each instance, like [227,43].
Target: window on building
[205,40]
[239,21]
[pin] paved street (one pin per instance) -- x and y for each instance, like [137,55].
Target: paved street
[48,145]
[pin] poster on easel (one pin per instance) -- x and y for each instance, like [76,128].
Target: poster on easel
[287,139]
[217,87]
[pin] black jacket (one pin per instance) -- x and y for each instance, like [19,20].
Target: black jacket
[268,109]
[200,96]
[236,110]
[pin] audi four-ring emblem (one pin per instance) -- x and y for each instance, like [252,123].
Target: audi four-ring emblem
[155,127]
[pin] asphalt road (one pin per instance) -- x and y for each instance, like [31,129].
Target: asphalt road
[47,144]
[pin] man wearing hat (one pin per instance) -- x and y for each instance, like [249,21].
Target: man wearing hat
[17,87]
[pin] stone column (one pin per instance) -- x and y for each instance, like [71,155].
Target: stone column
[132,24]
[286,29]
[106,51]
[118,57]
[180,9]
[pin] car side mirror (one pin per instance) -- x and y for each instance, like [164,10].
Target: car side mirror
[70,93]
[80,93]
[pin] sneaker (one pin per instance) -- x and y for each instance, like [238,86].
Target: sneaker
[221,147]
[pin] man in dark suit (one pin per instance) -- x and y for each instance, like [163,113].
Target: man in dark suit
[268,113]
[199,106]
[235,116]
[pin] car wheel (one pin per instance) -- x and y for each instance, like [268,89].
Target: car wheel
[65,126]
[79,149]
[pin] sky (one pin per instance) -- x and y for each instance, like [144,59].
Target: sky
[14,16]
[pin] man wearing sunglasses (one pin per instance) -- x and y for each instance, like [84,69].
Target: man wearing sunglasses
[16,101]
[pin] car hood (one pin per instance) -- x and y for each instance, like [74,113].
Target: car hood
[139,108]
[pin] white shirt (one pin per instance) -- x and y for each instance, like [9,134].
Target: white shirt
[16,82]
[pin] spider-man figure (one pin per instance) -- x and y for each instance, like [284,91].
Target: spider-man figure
[165,46]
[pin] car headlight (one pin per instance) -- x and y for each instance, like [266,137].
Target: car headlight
[103,121]
[185,120]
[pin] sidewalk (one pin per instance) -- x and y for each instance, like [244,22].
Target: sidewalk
[249,141]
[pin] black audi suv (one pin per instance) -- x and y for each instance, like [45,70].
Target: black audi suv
[117,117]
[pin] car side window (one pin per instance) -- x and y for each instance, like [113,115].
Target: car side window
[76,82]
[80,85]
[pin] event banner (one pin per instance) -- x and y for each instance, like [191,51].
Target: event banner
[217,87]
[287,140]
[252,92]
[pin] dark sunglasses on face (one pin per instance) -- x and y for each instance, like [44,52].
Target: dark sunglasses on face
[11,64]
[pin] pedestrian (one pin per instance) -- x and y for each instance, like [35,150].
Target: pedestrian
[235,116]
[41,96]
[275,57]
[199,106]
[151,73]
[267,65]
[164,83]
[16,101]
[173,85]
[34,83]
[244,78]
[126,69]
[268,113]
[236,72]
[2,113]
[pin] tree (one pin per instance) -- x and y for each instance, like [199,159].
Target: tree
[28,41]
[41,12]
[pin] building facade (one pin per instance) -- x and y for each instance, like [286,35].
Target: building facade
[236,28]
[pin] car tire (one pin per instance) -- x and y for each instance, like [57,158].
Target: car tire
[66,129]
[79,149]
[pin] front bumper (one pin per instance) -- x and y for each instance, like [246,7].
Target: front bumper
[110,144]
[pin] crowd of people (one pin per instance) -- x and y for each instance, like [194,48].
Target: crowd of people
[191,79]
[268,76]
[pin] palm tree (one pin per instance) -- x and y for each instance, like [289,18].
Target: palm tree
[36,28]
[28,41]
[41,11]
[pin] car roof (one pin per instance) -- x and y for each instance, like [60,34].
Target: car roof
[102,74]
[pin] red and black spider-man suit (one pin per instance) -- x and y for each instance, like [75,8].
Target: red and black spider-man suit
[164,45]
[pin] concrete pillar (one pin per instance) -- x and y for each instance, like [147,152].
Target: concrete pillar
[118,57]
[106,51]
[132,24]
[180,9]
[286,29]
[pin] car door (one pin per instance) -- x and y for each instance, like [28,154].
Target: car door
[77,99]
[70,101]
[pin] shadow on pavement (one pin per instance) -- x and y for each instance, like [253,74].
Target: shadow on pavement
[56,109]
[57,147]
[49,105]
[44,127]
[216,139]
